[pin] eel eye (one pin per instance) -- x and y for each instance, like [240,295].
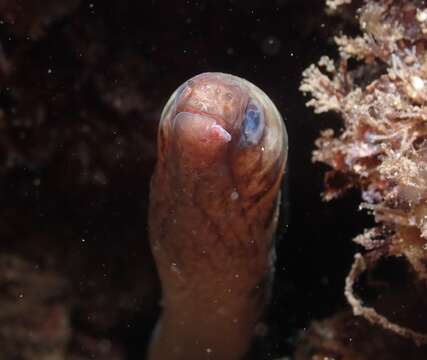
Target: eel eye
[253,125]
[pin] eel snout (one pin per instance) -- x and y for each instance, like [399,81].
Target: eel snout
[203,114]
[222,150]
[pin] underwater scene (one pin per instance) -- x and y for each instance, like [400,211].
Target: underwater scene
[213,180]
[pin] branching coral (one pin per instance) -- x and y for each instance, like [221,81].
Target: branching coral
[379,89]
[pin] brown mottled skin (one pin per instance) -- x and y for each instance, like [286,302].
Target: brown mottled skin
[213,212]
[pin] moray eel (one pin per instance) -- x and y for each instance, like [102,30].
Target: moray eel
[222,150]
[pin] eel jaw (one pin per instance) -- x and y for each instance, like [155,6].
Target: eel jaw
[198,140]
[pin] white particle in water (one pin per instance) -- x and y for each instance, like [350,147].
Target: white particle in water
[174,268]
[234,195]
[270,45]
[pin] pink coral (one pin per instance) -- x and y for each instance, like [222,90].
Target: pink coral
[382,149]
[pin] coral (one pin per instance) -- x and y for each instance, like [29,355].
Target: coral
[31,18]
[35,312]
[334,4]
[378,88]
[84,347]
[346,337]
[34,316]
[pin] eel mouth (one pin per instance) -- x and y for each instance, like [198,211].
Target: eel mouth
[197,132]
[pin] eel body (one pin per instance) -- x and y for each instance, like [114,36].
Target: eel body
[222,150]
